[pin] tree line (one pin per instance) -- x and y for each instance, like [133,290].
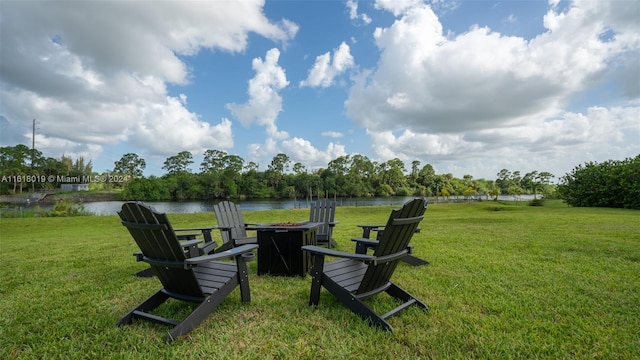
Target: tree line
[223,175]
[23,169]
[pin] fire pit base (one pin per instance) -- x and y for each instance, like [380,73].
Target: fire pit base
[279,248]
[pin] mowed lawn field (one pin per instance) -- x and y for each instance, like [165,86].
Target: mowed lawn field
[505,280]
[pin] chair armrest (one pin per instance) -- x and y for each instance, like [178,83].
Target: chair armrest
[363,244]
[365,241]
[188,243]
[368,259]
[392,257]
[253,226]
[341,254]
[366,229]
[198,229]
[186,236]
[330,223]
[162,263]
[234,252]
[191,247]
[371,226]
[249,226]
[205,231]
[245,240]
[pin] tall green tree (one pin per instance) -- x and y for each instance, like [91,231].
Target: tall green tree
[427,179]
[254,184]
[335,176]
[130,164]
[251,166]
[233,164]
[14,163]
[543,180]
[359,177]
[503,181]
[280,163]
[415,170]
[535,180]
[275,172]
[298,168]
[178,163]
[392,178]
[213,160]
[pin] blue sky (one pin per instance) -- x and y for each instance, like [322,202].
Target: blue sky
[470,87]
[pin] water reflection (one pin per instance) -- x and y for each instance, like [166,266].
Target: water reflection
[112,207]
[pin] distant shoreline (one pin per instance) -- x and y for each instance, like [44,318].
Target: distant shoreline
[51,198]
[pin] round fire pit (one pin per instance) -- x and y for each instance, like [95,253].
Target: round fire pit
[287,224]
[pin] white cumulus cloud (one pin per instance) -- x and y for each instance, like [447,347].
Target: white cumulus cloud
[327,68]
[464,97]
[103,84]
[265,103]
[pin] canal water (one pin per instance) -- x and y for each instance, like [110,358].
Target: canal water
[111,207]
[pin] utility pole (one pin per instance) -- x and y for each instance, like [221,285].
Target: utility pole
[33,135]
[33,152]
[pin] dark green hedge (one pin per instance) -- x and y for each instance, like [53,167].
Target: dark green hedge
[613,183]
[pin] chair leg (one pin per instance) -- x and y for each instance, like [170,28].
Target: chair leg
[201,312]
[360,248]
[148,272]
[146,306]
[356,305]
[316,279]
[414,261]
[243,279]
[400,294]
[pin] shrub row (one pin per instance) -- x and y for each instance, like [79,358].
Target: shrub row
[613,183]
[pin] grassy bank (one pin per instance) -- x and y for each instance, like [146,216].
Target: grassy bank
[504,281]
[54,195]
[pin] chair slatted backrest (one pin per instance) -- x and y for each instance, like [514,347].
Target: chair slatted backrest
[228,214]
[398,231]
[160,247]
[323,211]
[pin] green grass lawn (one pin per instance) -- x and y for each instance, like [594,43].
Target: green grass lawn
[504,281]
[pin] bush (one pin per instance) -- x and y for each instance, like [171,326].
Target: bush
[14,212]
[609,184]
[151,189]
[64,208]
[536,202]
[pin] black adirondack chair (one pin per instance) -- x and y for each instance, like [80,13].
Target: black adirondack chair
[201,279]
[324,211]
[232,227]
[360,276]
